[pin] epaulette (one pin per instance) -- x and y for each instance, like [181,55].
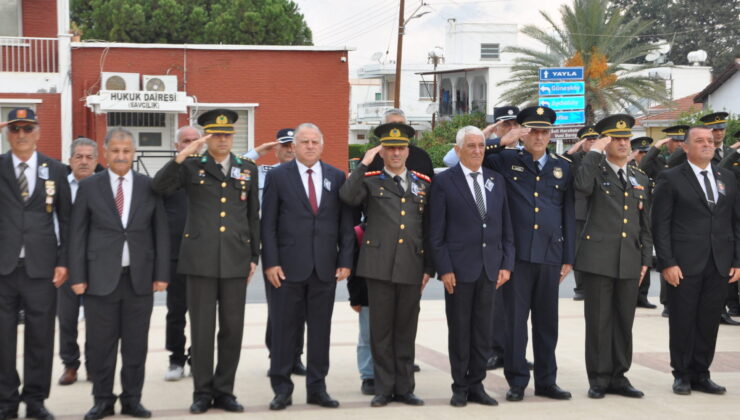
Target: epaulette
[562,157]
[195,155]
[373,173]
[422,176]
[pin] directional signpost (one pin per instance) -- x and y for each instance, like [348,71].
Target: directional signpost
[562,89]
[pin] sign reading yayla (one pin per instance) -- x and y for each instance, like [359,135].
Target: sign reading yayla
[561,73]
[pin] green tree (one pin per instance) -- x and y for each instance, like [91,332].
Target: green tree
[265,22]
[689,25]
[597,39]
[733,123]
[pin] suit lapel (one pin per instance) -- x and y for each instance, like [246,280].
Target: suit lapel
[691,177]
[490,194]
[718,178]
[211,168]
[462,185]
[324,180]
[40,188]
[297,182]
[107,192]
[8,173]
[390,185]
[136,190]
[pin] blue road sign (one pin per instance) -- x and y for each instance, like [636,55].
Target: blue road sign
[562,88]
[561,73]
[562,103]
[570,117]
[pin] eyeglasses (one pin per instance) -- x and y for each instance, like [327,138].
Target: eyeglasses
[18,128]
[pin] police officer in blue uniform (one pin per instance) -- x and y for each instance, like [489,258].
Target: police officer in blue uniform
[540,193]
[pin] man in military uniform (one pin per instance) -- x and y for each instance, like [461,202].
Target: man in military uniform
[587,136]
[640,146]
[540,193]
[218,254]
[731,161]
[392,258]
[717,122]
[614,255]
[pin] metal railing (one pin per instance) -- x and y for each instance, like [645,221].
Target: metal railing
[29,55]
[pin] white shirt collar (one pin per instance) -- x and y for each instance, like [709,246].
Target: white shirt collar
[616,168]
[697,170]
[467,171]
[391,174]
[71,178]
[32,162]
[114,177]
[303,168]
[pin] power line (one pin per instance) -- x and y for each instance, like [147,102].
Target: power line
[362,15]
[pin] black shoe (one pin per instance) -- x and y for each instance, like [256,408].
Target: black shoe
[733,311]
[725,319]
[135,410]
[8,413]
[408,399]
[642,302]
[39,412]
[530,365]
[578,295]
[596,392]
[228,403]
[368,386]
[298,368]
[481,397]
[495,362]
[200,406]
[626,391]
[459,399]
[281,401]
[380,400]
[322,399]
[681,387]
[708,386]
[515,393]
[100,410]
[664,314]
[553,391]
[417,368]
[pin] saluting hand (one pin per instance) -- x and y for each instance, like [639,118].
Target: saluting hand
[658,144]
[275,275]
[673,275]
[3,124]
[734,274]
[576,147]
[600,144]
[191,148]
[513,136]
[564,270]
[159,286]
[503,277]
[491,128]
[370,155]
[60,276]
[450,282]
[735,146]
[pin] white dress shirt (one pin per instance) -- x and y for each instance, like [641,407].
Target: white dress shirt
[697,171]
[316,176]
[403,175]
[128,187]
[225,165]
[616,169]
[31,175]
[74,185]
[479,178]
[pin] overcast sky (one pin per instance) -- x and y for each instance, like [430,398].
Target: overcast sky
[370,26]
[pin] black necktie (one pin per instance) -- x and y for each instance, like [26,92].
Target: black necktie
[621,179]
[478,195]
[718,152]
[708,187]
[23,181]
[398,181]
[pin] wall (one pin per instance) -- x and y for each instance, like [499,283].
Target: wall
[39,18]
[727,97]
[47,113]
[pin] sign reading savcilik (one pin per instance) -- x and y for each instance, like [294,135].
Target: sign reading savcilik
[146,101]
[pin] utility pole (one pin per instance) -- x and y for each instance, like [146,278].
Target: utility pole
[399,55]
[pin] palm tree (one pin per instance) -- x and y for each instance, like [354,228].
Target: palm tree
[598,40]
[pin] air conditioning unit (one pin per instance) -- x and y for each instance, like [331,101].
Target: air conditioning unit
[160,83]
[120,81]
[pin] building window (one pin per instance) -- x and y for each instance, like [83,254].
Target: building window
[242,141]
[378,96]
[136,119]
[426,90]
[360,137]
[10,18]
[489,51]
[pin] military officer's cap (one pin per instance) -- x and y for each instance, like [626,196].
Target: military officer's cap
[504,113]
[617,125]
[677,132]
[715,121]
[285,135]
[394,134]
[22,115]
[641,143]
[587,131]
[536,117]
[218,121]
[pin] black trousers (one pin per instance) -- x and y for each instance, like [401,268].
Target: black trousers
[644,287]
[207,297]
[469,313]
[68,313]
[394,316]
[663,291]
[733,299]
[609,311]
[38,297]
[695,308]
[177,308]
[268,328]
[532,288]
[577,274]
[498,324]
[122,316]
[291,305]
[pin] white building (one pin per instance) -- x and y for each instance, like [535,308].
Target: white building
[723,94]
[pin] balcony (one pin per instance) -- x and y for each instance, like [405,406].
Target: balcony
[29,55]
[373,110]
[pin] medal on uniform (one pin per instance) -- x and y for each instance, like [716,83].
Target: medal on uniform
[44,172]
[327,184]
[202,173]
[633,181]
[489,184]
[414,188]
[51,191]
[557,172]
[721,187]
[236,173]
[243,196]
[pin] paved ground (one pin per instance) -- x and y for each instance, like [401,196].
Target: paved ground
[650,372]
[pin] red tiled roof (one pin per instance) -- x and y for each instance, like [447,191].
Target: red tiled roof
[672,112]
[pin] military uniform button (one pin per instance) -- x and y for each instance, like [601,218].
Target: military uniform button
[403,227]
[202,182]
[187,235]
[223,214]
[484,244]
[624,234]
[536,194]
[403,212]
[625,221]
[223,185]
[626,207]
[403,200]
[222,229]
[536,209]
[537,178]
[223,199]
[588,236]
[484,225]
[626,194]
[515,178]
[536,227]
[557,187]
[367,242]
[400,241]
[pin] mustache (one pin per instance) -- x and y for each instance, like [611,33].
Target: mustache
[120,161]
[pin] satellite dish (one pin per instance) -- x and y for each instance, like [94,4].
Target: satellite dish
[155,84]
[652,56]
[697,57]
[115,83]
[377,56]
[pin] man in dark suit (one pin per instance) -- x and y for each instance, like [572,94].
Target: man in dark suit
[307,245]
[539,185]
[82,162]
[119,256]
[392,259]
[696,231]
[218,253]
[33,262]
[614,254]
[472,242]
